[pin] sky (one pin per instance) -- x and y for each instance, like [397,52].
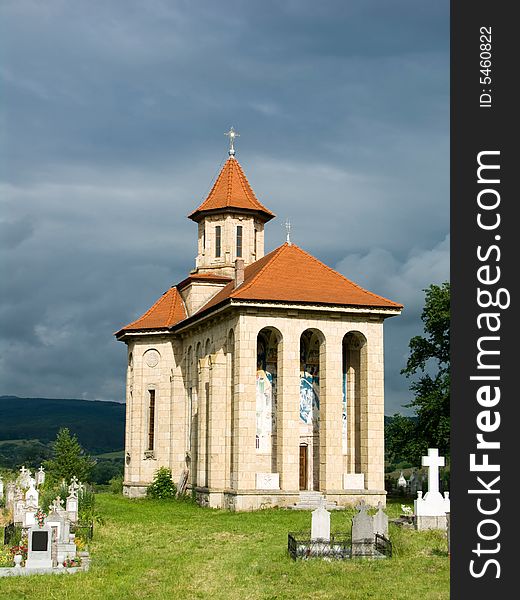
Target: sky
[112,121]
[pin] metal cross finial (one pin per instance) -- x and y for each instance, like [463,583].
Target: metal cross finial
[288,229]
[232,134]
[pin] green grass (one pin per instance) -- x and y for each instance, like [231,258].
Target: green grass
[175,550]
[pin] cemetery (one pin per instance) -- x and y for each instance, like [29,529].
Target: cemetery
[175,547]
[40,537]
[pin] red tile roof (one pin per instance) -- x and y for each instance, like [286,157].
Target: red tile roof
[231,190]
[289,274]
[165,313]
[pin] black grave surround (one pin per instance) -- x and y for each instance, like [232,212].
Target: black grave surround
[40,541]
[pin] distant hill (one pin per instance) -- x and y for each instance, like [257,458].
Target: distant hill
[98,425]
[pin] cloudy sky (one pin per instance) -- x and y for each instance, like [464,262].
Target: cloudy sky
[113,114]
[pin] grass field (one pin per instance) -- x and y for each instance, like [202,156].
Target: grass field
[176,550]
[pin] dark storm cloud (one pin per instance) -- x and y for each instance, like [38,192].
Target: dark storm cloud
[113,116]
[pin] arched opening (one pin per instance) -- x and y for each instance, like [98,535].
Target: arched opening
[354,401]
[267,369]
[311,342]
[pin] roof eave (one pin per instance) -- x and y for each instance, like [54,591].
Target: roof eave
[199,214]
[384,312]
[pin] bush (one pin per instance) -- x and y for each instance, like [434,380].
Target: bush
[162,485]
[116,484]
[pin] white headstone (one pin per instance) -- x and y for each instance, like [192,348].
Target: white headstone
[39,547]
[320,525]
[72,508]
[19,510]
[40,476]
[32,495]
[29,515]
[433,461]
[401,482]
[433,504]
[24,479]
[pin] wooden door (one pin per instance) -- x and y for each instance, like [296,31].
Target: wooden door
[303,467]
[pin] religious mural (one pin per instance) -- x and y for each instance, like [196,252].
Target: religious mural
[266,380]
[310,379]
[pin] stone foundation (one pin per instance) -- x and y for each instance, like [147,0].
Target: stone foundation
[259,499]
[134,491]
[426,522]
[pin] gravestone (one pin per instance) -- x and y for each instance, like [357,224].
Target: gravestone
[430,511]
[40,476]
[320,524]
[9,496]
[362,532]
[24,479]
[401,482]
[19,506]
[57,518]
[415,483]
[380,521]
[72,508]
[29,518]
[39,547]
[32,495]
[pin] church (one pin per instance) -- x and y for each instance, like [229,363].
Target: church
[259,378]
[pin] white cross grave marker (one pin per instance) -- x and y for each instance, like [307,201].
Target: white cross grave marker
[433,461]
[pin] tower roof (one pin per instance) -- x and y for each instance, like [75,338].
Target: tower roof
[231,190]
[165,313]
[289,274]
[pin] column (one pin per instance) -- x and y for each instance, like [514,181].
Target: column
[217,430]
[331,450]
[288,412]
[372,398]
[244,459]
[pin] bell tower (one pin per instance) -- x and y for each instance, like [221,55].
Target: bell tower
[230,221]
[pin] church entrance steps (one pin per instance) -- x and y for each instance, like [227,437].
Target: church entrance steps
[310,500]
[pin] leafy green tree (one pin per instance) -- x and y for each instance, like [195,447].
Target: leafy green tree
[68,459]
[400,440]
[429,361]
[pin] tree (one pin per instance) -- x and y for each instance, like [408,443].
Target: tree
[430,359]
[400,440]
[68,459]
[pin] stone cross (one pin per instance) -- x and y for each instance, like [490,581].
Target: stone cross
[40,476]
[433,461]
[56,505]
[24,479]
